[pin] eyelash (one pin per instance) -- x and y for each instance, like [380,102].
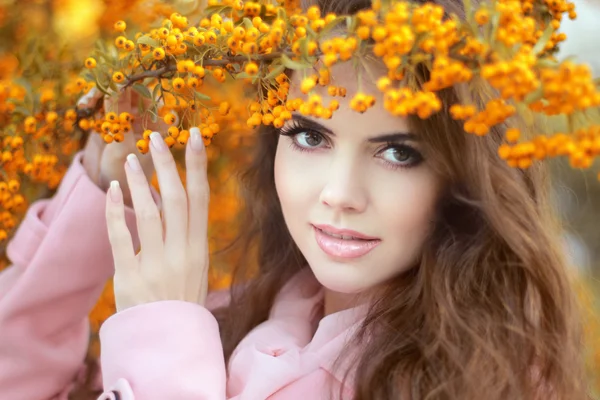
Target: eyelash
[295,128]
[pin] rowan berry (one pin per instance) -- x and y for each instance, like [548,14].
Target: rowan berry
[142,145]
[178,84]
[482,17]
[13,185]
[111,117]
[90,63]
[126,127]
[17,142]
[129,45]
[170,119]
[512,135]
[51,117]
[120,26]
[170,141]
[118,77]
[194,83]
[158,54]
[251,68]
[224,108]
[120,41]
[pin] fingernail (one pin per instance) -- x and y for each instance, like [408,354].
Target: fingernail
[196,140]
[133,162]
[158,142]
[115,192]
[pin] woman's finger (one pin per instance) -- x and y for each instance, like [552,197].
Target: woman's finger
[118,233]
[92,155]
[148,220]
[198,190]
[172,192]
[90,98]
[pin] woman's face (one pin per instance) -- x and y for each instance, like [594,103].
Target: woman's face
[357,195]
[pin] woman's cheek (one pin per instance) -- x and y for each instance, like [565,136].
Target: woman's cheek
[295,176]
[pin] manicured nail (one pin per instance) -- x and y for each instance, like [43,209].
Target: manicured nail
[133,162]
[158,142]
[196,140]
[115,192]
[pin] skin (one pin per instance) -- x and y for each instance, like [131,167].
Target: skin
[347,182]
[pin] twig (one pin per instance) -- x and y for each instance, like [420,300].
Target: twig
[209,63]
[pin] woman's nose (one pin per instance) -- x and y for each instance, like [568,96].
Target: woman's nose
[344,188]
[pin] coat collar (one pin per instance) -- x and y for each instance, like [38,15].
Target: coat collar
[294,341]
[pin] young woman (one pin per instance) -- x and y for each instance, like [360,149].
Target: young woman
[395,259]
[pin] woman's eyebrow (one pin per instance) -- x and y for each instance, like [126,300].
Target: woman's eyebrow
[388,137]
[308,122]
[393,137]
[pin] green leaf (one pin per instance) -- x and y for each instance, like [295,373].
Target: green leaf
[539,46]
[331,25]
[22,110]
[275,72]
[215,10]
[291,64]
[534,96]
[147,57]
[304,48]
[186,7]
[243,75]
[153,113]
[147,40]
[155,94]
[202,96]
[143,90]
[247,23]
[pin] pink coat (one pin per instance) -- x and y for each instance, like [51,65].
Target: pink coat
[163,350]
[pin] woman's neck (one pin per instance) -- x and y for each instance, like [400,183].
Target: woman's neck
[336,301]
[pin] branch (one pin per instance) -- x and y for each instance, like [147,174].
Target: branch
[209,63]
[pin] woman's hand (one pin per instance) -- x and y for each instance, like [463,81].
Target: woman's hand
[104,163]
[173,261]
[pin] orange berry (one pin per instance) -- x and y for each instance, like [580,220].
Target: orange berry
[118,77]
[173,131]
[178,84]
[512,135]
[482,17]
[158,54]
[251,68]
[111,117]
[120,26]
[142,145]
[170,141]
[170,119]
[90,63]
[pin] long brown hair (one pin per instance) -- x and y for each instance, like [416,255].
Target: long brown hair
[489,311]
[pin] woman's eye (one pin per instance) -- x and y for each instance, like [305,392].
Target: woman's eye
[309,139]
[400,155]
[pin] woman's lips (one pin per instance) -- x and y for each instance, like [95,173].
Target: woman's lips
[344,248]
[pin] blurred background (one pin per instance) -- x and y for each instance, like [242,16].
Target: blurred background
[47,40]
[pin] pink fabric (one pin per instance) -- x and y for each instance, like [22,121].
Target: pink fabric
[164,350]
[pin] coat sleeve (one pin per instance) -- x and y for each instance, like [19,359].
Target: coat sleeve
[61,259]
[162,350]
